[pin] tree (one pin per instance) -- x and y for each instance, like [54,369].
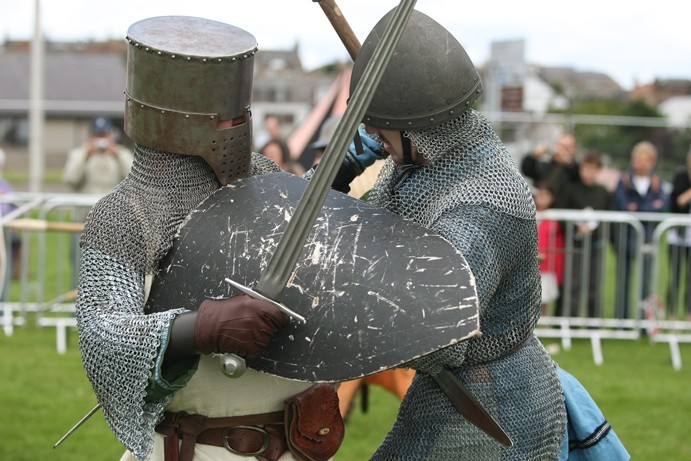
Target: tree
[616,140]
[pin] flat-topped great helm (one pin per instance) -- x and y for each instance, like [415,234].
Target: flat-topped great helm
[188,91]
[429,80]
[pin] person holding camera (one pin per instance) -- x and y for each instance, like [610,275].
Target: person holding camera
[98,165]
[95,167]
[555,167]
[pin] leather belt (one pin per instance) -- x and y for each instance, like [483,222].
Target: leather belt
[261,435]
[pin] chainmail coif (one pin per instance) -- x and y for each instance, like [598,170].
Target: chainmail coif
[471,192]
[125,236]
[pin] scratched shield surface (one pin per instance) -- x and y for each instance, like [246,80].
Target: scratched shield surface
[376,290]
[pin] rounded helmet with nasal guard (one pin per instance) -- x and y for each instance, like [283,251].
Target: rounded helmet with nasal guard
[429,80]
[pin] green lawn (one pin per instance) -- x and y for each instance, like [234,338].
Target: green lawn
[42,394]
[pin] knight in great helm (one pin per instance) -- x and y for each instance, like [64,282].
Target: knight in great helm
[187,94]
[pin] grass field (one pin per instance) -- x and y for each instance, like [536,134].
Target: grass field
[42,394]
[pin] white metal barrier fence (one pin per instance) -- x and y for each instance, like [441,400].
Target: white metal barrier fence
[618,272]
[39,257]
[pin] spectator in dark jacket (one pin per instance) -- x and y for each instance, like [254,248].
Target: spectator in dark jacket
[640,189]
[679,240]
[586,258]
[554,169]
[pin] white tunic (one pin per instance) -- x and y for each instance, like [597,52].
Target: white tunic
[211,393]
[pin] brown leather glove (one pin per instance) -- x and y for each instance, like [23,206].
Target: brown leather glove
[240,325]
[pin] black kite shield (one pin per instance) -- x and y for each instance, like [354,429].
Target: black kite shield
[376,290]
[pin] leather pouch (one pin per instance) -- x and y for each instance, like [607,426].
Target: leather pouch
[313,423]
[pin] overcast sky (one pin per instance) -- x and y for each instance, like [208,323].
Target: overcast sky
[630,41]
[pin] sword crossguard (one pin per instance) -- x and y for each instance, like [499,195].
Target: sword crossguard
[234,365]
[254,294]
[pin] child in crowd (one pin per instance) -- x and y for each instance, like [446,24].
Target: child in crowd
[550,249]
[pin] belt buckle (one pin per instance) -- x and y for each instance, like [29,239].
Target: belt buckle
[265,440]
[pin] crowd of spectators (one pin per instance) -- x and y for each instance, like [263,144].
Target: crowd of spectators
[564,177]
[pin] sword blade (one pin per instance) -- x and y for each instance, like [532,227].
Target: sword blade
[470,408]
[275,277]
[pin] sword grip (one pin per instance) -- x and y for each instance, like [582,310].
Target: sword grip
[233,365]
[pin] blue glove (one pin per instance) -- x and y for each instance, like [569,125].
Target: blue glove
[372,151]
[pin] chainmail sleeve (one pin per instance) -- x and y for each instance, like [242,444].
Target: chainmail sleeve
[120,347]
[126,234]
[119,343]
[487,239]
[501,252]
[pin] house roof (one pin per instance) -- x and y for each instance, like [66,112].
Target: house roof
[91,80]
[582,84]
[75,82]
[277,60]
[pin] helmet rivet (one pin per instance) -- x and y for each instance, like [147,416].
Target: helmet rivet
[187,115]
[220,60]
[204,60]
[188,58]
[163,112]
[172,56]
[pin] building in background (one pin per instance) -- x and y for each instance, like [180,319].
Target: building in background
[85,80]
[82,81]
